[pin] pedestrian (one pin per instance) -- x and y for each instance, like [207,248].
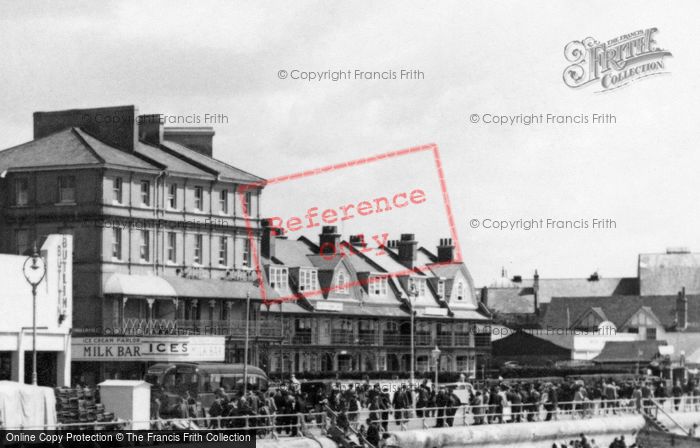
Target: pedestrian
[218,409]
[478,408]
[453,403]
[677,393]
[400,403]
[373,432]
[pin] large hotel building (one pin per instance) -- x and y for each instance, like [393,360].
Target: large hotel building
[163,262]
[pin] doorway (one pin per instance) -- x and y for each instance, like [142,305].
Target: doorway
[46,368]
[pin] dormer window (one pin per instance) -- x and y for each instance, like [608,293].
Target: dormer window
[378,286]
[279,279]
[341,283]
[417,286]
[308,279]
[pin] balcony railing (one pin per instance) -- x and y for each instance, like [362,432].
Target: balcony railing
[444,340]
[343,338]
[405,339]
[369,339]
[423,339]
[273,329]
[233,328]
[482,341]
[462,340]
[302,338]
[395,339]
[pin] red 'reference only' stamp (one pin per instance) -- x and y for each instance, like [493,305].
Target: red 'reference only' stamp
[364,207]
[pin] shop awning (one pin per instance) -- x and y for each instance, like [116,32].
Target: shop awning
[217,289]
[469,314]
[180,287]
[137,285]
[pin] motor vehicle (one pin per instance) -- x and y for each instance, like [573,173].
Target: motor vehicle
[171,381]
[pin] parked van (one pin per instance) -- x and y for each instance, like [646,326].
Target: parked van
[201,380]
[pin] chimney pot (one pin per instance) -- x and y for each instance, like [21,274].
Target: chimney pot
[329,240]
[445,251]
[408,250]
[358,240]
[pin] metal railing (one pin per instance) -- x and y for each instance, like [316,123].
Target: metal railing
[408,418]
[658,407]
[344,338]
[235,328]
[263,424]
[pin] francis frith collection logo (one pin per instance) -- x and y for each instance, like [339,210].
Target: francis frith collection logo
[615,63]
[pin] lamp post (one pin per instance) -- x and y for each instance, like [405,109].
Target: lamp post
[436,357]
[639,356]
[247,340]
[413,293]
[34,270]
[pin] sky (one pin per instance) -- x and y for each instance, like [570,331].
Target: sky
[489,57]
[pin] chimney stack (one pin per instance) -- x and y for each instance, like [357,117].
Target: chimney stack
[358,241]
[151,129]
[200,139]
[682,310]
[115,126]
[445,250]
[485,296]
[329,240]
[408,250]
[268,243]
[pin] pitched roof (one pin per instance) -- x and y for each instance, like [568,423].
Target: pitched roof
[223,169]
[629,351]
[304,253]
[326,262]
[511,300]
[77,147]
[292,253]
[669,272]
[70,146]
[173,164]
[562,312]
[519,298]
[112,155]
[583,287]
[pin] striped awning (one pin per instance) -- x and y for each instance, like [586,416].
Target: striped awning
[137,285]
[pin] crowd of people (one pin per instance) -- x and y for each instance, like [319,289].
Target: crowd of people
[336,408]
[584,442]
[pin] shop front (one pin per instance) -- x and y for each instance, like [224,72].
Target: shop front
[96,359]
[54,297]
